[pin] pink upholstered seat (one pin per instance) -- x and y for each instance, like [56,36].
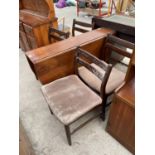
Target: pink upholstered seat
[115,79]
[69,98]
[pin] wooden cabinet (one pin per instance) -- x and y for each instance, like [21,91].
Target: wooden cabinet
[121,122]
[35,17]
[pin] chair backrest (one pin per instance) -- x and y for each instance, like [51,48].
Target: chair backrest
[57,35]
[117,45]
[81,27]
[84,58]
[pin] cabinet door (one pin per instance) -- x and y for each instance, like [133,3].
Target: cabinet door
[24,43]
[121,123]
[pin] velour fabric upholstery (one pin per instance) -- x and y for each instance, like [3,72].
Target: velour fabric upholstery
[115,79]
[69,98]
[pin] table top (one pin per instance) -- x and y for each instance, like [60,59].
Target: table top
[121,19]
[39,54]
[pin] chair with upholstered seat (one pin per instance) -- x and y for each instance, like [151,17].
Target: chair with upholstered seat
[69,98]
[81,27]
[116,78]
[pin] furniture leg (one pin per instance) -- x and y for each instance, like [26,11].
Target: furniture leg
[103,108]
[50,110]
[68,134]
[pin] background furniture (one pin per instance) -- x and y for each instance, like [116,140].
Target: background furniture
[57,35]
[25,147]
[122,24]
[35,17]
[57,60]
[126,6]
[121,122]
[91,7]
[69,98]
[83,27]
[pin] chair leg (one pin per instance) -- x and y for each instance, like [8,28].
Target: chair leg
[68,134]
[50,110]
[103,109]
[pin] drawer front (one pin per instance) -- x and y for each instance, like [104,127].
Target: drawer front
[28,30]
[21,26]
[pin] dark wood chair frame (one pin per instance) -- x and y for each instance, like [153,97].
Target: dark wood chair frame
[80,59]
[109,47]
[82,28]
[57,34]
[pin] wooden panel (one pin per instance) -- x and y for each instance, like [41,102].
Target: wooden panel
[24,43]
[57,60]
[32,41]
[25,147]
[37,55]
[121,123]
[21,43]
[28,18]
[127,93]
[44,8]
[28,30]
[41,35]
[63,64]
[40,6]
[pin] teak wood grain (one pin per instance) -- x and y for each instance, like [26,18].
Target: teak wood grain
[121,123]
[38,54]
[127,93]
[57,60]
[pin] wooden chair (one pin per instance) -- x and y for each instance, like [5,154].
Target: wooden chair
[69,98]
[112,45]
[57,35]
[81,27]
